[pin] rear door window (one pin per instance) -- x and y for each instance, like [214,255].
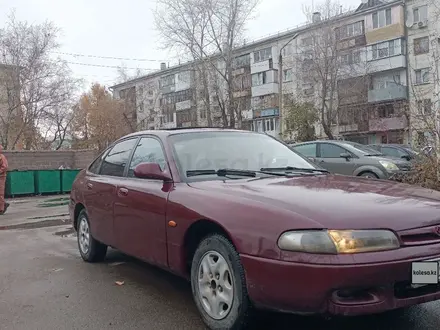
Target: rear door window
[308,150]
[394,152]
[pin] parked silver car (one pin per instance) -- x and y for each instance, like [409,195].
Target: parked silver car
[350,158]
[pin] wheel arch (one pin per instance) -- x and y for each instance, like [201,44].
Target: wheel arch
[78,208]
[195,233]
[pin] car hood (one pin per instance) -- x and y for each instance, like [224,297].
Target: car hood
[338,202]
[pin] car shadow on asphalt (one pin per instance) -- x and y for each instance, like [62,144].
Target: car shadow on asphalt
[153,280]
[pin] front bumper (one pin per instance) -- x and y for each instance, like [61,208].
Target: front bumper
[333,289]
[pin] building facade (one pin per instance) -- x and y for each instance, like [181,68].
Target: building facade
[383,75]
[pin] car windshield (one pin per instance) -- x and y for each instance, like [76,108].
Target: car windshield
[233,150]
[365,150]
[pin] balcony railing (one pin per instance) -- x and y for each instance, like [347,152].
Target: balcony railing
[394,92]
[387,124]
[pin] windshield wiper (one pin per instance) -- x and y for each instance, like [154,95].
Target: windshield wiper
[226,172]
[370,155]
[291,168]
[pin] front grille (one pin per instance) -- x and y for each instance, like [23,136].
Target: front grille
[420,236]
[404,167]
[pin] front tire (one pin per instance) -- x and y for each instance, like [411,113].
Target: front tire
[219,285]
[369,175]
[90,249]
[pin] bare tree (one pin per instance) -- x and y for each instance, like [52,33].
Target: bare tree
[124,74]
[320,61]
[208,31]
[425,85]
[36,82]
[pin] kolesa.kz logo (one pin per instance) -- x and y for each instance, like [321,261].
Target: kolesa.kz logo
[424,272]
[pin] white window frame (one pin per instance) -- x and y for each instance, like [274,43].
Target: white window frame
[259,78]
[384,49]
[427,43]
[287,75]
[351,30]
[422,76]
[382,18]
[420,14]
[263,54]
[386,81]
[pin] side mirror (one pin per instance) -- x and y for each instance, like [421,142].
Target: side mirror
[345,155]
[406,157]
[151,171]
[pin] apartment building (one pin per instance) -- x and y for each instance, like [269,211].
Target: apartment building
[381,66]
[423,31]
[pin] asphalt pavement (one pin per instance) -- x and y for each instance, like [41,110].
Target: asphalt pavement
[44,285]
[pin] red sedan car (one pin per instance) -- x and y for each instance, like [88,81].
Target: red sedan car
[252,224]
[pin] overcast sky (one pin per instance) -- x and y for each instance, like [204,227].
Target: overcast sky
[125,29]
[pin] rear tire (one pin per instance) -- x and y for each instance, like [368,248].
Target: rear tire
[369,175]
[219,285]
[90,249]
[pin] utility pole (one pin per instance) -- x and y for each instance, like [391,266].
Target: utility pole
[280,83]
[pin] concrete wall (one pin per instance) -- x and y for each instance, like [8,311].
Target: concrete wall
[38,160]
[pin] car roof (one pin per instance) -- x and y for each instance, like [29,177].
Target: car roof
[321,141]
[174,131]
[395,145]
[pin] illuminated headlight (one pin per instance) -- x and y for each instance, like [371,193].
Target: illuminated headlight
[338,241]
[389,166]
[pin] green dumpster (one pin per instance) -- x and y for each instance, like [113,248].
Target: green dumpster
[47,181]
[20,183]
[67,178]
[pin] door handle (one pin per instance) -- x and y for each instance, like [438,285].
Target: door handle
[89,185]
[123,191]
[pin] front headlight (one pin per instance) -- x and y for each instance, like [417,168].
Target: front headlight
[389,166]
[338,241]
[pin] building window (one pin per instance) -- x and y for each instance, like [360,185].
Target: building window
[420,14]
[167,81]
[287,75]
[382,18]
[263,55]
[259,79]
[422,76]
[383,82]
[384,49]
[350,30]
[386,111]
[241,61]
[425,106]
[307,41]
[421,45]
[351,58]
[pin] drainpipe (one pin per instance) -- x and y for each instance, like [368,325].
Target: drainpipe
[280,83]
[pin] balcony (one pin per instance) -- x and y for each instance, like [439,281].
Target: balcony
[386,63]
[394,92]
[265,89]
[262,66]
[348,128]
[247,114]
[388,124]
